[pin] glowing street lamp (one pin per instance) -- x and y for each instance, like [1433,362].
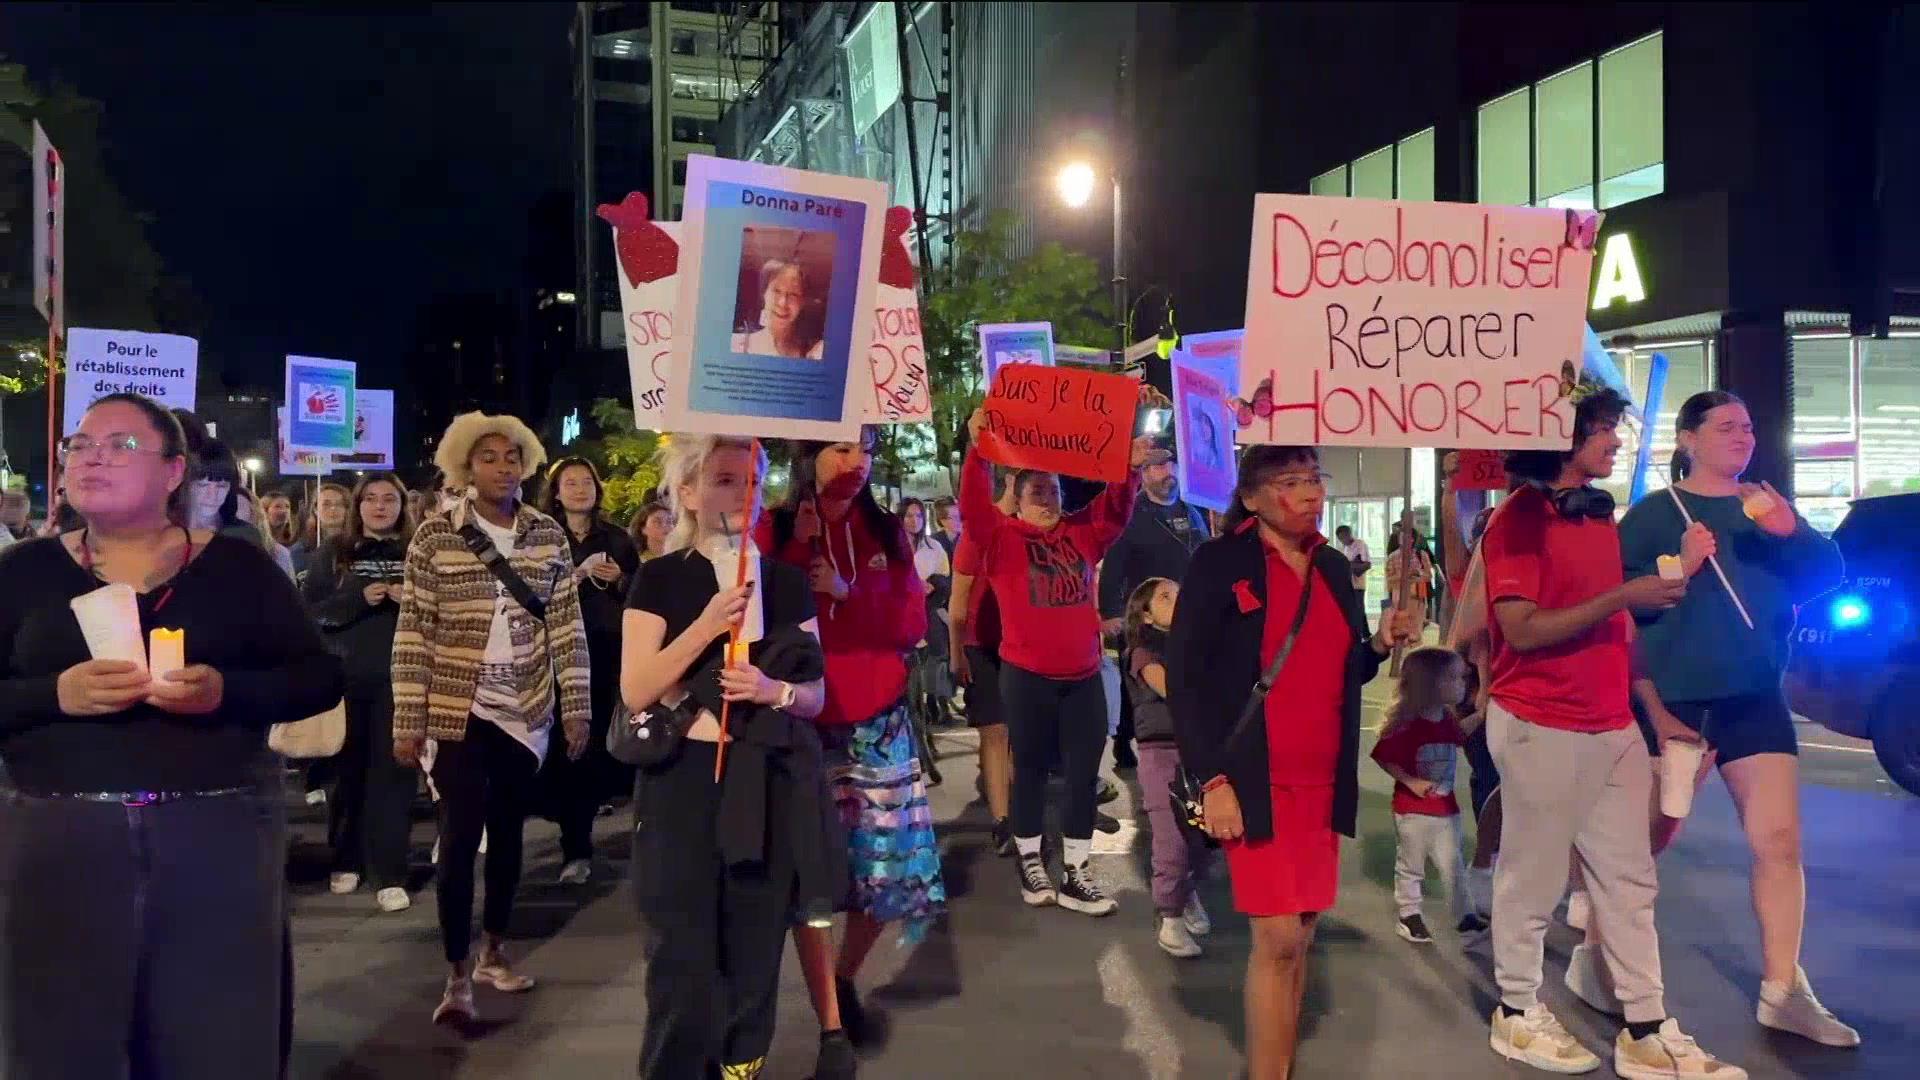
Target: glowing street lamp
[1075,183]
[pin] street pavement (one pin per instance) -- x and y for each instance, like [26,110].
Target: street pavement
[1003,991]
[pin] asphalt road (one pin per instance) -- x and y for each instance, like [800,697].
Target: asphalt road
[1004,991]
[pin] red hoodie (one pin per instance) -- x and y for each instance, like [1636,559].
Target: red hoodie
[1043,581]
[866,635]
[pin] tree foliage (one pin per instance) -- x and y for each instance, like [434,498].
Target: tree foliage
[624,455]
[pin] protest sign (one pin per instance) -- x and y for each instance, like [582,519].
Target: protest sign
[648,252]
[1014,343]
[163,367]
[1480,470]
[1063,420]
[298,462]
[902,392]
[372,431]
[778,269]
[320,409]
[1203,393]
[1377,323]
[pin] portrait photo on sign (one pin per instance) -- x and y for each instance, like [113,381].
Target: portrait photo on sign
[784,279]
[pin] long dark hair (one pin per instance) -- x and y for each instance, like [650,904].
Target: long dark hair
[287,534]
[884,526]
[173,444]
[637,528]
[1602,408]
[310,525]
[923,538]
[1693,413]
[550,493]
[1418,688]
[356,530]
[215,463]
[1254,464]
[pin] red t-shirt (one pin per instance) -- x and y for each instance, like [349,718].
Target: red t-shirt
[982,630]
[1303,708]
[1423,749]
[1532,553]
[1049,618]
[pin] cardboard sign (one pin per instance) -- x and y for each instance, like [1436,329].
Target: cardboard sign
[1379,323]
[320,407]
[1014,343]
[902,391]
[372,431]
[1203,393]
[298,462]
[648,252]
[1063,420]
[1480,470]
[164,367]
[778,269]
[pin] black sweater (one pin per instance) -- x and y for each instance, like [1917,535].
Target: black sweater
[359,633]
[1159,542]
[1213,660]
[240,615]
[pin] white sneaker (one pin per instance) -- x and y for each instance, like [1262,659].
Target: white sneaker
[1197,921]
[456,1003]
[1176,938]
[393,898]
[343,883]
[1669,1054]
[577,872]
[1579,909]
[1536,1038]
[1797,1011]
[1589,982]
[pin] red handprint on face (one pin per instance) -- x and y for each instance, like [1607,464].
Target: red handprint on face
[645,250]
[896,267]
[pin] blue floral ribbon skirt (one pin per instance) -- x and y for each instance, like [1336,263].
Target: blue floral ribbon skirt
[875,780]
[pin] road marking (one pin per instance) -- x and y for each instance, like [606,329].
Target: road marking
[1842,749]
[1146,1036]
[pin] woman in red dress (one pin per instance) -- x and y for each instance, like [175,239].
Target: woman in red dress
[1280,793]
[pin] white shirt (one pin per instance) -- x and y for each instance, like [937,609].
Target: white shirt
[494,698]
[930,561]
[1356,550]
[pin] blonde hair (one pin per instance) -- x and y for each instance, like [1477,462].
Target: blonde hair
[681,459]
[1419,686]
[466,431]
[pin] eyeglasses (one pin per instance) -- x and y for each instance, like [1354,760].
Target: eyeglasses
[1291,482]
[116,449]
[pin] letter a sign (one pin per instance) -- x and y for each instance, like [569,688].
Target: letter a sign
[1618,277]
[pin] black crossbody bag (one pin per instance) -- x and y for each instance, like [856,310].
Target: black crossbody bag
[1189,801]
[522,593]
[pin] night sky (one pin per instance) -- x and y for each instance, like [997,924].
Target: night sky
[318,177]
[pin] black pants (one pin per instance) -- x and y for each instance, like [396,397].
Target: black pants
[712,938]
[485,782]
[371,810]
[572,792]
[1054,720]
[145,942]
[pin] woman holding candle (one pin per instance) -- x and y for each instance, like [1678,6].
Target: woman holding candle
[355,597]
[719,867]
[873,608]
[1713,666]
[143,845]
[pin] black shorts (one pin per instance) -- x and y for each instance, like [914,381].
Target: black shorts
[1486,778]
[984,708]
[1741,725]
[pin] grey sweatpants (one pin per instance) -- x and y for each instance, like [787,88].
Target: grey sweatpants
[1421,839]
[1590,793]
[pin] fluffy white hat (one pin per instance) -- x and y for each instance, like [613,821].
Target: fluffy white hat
[467,429]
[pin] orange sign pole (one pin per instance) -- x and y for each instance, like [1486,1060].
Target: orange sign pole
[734,652]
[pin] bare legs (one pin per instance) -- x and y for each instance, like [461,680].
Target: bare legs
[1276,983]
[996,769]
[1766,791]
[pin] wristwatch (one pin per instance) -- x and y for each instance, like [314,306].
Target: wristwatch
[788,692]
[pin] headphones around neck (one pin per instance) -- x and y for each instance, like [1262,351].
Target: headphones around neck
[1585,501]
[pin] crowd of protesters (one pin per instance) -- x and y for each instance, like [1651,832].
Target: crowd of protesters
[489,644]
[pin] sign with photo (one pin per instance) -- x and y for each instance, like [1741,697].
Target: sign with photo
[1014,343]
[648,253]
[320,408]
[1381,323]
[1203,393]
[164,367]
[778,271]
[298,462]
[1064,420]
[372,431]
[902,392]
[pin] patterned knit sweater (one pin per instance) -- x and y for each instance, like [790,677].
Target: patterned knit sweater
[446,613]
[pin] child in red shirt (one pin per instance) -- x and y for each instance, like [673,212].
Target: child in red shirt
[1417,749]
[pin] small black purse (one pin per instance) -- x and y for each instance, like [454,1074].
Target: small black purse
[651,739]
[1189,801]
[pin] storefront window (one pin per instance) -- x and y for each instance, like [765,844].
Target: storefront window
[1889,416]
[1504,150]
[1331,182]
[1825,442]
[1689,371]
[1632,122]
[1373,175]
[1414,169]
[1563,132]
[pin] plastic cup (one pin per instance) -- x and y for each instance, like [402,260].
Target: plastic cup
[109,618]
[1679,764]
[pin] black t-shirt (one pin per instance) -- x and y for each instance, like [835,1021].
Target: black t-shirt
[240,615]
[679,586]
[600,607]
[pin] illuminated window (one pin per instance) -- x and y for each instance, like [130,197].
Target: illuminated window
[1402,170]
[1373,175]
[1413,167]
[1632,122]
[1536,145]
[1563,140]
[1504,153]
[1331,182]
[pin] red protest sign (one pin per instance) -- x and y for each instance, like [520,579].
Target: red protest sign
[1480,470]
[1061,419]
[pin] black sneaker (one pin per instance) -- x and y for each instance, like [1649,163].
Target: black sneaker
[1105,793]
[1080,892]
[1036,888]
[853,1015]
[1003,839]
[1123,755]
[1473,923]
[836,1060]
[1105,824]
[1414,928]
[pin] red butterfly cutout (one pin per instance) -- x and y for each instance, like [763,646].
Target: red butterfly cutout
[1583,227]
[1261,405]
[645,250]
[896,266]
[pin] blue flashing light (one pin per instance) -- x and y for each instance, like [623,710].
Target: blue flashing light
[1849,612]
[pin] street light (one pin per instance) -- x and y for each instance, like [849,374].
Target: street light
[1075,184]
[254,464]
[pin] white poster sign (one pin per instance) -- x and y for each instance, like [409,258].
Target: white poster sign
[1380,323]
[372,431]
[902,392]
[778,271]
[164,367]
[648,253]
